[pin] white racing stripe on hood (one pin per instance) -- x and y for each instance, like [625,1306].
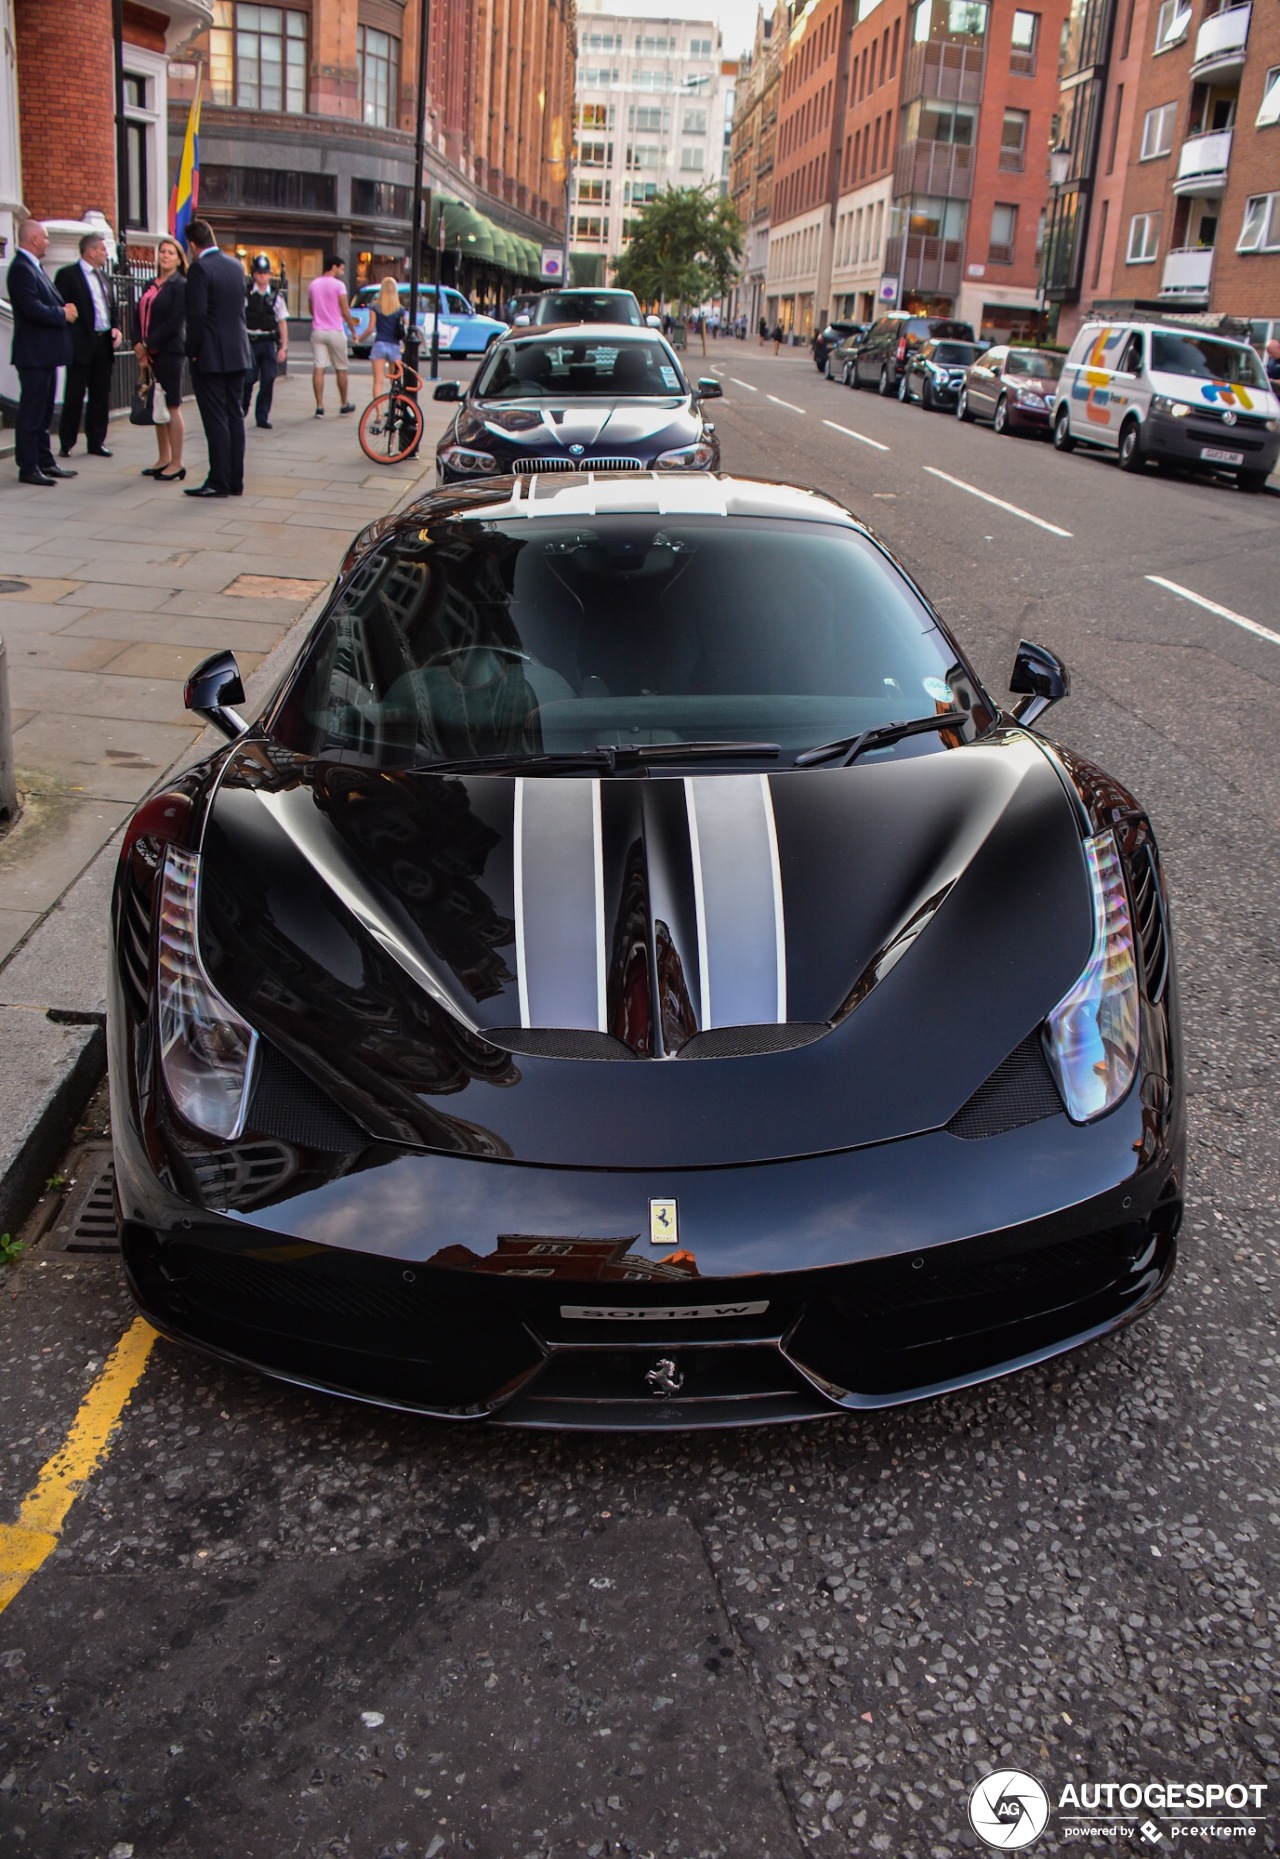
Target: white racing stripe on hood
[737,881]
[559,902]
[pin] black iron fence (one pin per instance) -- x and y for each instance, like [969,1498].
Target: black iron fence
[129,282]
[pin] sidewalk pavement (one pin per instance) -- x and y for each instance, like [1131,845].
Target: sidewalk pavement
[112,588]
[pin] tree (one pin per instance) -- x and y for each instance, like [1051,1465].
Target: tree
[687,246]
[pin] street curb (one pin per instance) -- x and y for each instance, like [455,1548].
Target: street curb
[79,1066]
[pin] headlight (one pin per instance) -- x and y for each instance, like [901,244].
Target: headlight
[1091,1037]
[1176,409]
[1027,397]
[1270,425]
[206,1050]
[463,458]
[698,457]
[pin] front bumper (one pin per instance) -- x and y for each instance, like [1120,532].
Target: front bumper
[482,1290]
[1185,442]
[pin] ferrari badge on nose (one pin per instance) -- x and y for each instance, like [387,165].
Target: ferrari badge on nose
[662,1223]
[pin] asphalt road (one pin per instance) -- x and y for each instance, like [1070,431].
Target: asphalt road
[279,1626]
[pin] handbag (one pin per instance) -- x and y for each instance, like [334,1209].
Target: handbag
[142,406]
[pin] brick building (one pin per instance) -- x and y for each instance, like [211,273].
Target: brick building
[1179,186]
[751,162]
[810,108]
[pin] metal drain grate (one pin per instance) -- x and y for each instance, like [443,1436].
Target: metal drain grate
[88,1222]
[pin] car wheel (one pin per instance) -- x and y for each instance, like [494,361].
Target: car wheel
[885,385]
[926,398]
[854,381]
[827,370]
[962,405]
[1001,420]
[848,375]
[1062,440]
[1251,480]
[1130,455]
[904,390]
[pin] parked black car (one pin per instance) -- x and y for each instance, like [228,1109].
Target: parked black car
[1013,388]
[934,373]
[631,974]
[881,356]
[829,339]
[578,398]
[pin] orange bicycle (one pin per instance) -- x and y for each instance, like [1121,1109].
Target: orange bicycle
[391,425]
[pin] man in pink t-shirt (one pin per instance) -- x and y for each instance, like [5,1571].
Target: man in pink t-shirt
[330,319]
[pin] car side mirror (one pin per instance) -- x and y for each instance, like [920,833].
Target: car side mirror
[1039,679]
[212,688]
[448,390]
[710,389]
[523,320]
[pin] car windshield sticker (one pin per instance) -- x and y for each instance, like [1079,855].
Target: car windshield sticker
[935,688]
[669,376]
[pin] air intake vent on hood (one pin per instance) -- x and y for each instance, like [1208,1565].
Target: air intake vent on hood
[557,1042]
[742,1042]
[1020,1090]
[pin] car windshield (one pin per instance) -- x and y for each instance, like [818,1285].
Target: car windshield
[561,368]
[955,354]
[587,307]
[1035,364]
[1206,359]
[508,636]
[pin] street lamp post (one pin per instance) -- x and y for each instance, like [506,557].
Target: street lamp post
[412,346]
[1059,170]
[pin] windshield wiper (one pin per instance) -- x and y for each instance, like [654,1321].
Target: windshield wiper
[849,748]
[609,756]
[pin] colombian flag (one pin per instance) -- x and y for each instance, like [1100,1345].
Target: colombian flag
[184,200]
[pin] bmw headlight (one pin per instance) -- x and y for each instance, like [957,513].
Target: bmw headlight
[465,458]
[699,457]
[1176,409]
[1091,1037]
[206,1050]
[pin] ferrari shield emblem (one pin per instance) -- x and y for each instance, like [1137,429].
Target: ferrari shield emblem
[662,1223]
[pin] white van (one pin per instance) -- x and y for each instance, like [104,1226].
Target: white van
[1168,392]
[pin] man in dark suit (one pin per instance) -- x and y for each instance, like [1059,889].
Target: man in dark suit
[218,345]
[95,337]
[41,345]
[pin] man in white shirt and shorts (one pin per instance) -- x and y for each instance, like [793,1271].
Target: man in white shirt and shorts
[330,320]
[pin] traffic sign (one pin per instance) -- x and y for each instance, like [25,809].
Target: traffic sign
[552,262]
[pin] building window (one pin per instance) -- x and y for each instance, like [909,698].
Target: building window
[595,193]
[1004,234]
[143,148]
[1144,236]
[597,77]
[639,193]
[649,46]
[953,123]
[695,122]
[380,199]
[594,116]
[595,154]
[258,57]
[648,116]
[377,58]
[699,48]
[1013,141]
[1157,131]
[643,155]
[1026,31]
[1172,22]
[591,228]
[282,189]
[1261,229]
[691,160]
[1269,111]
[602,42]
[949,19]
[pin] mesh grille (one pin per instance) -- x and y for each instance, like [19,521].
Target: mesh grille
[134,942]
[1149,913]
[527,467]
[288,1104]
[740,1042]
[558,1042]
[1020,1090]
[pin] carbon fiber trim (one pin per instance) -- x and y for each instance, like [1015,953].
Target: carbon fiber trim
[1020,1090]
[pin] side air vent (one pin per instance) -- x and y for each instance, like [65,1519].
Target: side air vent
[134,939]
[1020,1090]
[742,1042]
[557,1042]
[1149,911]
[290,1106]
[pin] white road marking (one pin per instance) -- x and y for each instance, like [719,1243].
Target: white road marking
[785,403]
[851,434]
[999,502]
[746,384]
[1211,606]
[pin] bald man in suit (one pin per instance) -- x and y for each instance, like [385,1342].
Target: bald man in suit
[41,345]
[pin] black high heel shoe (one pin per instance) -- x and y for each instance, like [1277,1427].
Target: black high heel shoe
[151,471]
[170,477]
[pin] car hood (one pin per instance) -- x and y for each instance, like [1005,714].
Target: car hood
[596,423]
[774,965]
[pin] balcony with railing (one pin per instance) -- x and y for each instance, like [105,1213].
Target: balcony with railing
[1202,163]
[950,72]
[939,168]
[930,264]
[1186,275]
[1221,42]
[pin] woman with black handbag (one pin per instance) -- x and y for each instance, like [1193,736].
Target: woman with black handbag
[162,323]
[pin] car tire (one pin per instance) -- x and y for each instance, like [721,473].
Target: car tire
[884,386]
[1130,455]
[962,406]
[1251,480]
[1001,421]
[1062,440]
[904,390]
[847,376]
[827,370]
[854,382]
[926,398]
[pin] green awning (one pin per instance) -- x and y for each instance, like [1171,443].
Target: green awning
[510,257]
[534,253]
[465,230]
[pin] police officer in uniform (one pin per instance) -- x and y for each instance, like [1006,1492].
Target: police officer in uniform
[267,316]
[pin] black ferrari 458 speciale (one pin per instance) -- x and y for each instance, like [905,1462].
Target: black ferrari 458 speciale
[632,974]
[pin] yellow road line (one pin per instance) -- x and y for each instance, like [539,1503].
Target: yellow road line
[29,1542]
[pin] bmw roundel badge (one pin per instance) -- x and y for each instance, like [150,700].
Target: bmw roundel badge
[577,450]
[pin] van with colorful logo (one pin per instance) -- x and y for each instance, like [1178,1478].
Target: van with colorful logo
[1172,393]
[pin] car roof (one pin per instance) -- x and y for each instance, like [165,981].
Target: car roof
[586,332]
[625,493]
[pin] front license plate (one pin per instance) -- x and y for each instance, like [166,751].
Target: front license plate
[662,1313]
[1216,456]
